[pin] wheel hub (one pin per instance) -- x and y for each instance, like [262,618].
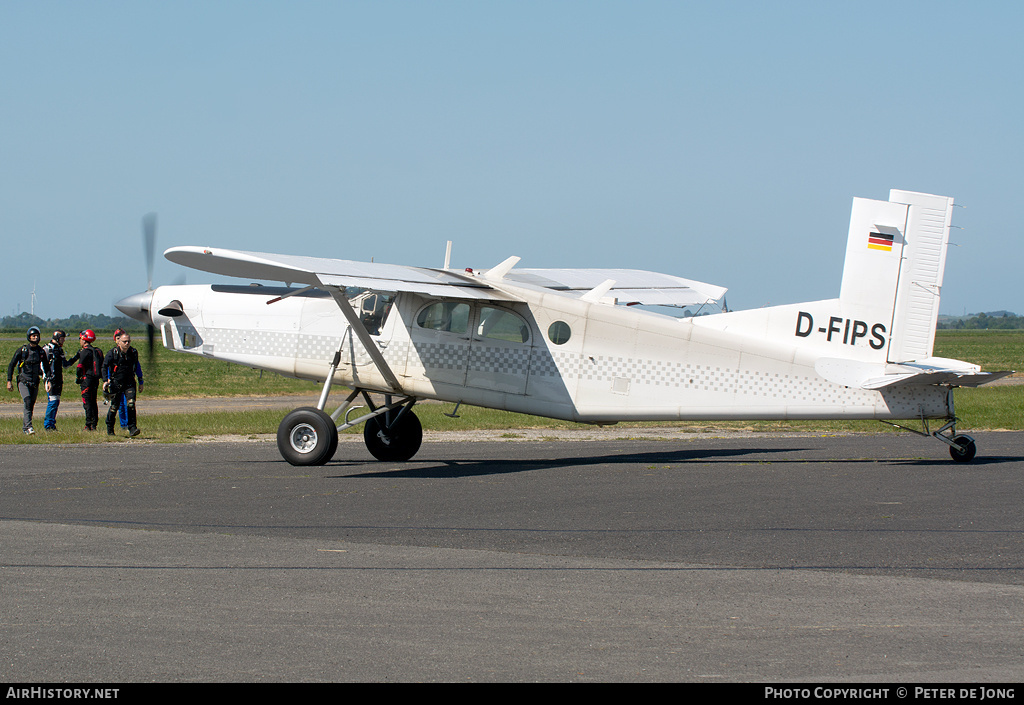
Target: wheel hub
[303,438]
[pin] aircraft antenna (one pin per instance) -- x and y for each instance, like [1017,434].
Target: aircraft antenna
[448,255]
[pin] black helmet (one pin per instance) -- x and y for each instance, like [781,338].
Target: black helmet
[33,329]
[59,334]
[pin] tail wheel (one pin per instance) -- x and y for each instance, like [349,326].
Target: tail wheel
[967,449]
[307,436]
[397,443]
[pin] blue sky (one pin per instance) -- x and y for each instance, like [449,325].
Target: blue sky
[720,141]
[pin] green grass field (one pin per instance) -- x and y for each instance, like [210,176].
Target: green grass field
[992,349]
[176,375]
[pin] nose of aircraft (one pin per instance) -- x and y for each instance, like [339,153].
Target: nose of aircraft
[137,306]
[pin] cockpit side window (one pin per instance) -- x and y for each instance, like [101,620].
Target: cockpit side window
[500,324]
[373,311]
[448,316]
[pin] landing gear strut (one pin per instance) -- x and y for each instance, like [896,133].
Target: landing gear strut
[309,436]
[962,447]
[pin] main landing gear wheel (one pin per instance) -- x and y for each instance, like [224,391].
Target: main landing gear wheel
[967,449]
[397,443]
[307,436]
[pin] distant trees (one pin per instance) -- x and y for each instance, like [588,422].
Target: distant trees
[25,320]
[997,320]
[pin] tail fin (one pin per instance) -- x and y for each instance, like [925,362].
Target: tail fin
[880,331]
[888,303]
[895,258]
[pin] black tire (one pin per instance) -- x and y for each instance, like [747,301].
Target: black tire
[307,436]
[969,449]
[397,444]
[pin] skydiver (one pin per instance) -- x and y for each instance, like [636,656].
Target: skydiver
[30,360]
[90,360]
[120,368]
[122,410]
[58,361]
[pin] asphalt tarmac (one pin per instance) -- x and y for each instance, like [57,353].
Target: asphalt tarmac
[866,558]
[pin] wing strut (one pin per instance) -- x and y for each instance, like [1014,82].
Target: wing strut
[359,329]
[290,293]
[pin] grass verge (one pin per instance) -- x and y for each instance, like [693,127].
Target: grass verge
[994,408]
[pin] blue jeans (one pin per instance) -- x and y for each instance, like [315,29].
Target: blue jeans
[50,420]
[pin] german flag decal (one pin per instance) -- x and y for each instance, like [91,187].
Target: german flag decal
[880,241]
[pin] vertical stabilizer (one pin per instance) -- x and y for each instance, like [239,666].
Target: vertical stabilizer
[874,253]
[924,261]
[895,257]
[871,273]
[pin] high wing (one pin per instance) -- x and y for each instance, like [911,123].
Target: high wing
[631,286]
[626,285]
[321,271]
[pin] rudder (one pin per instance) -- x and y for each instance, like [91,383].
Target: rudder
[895,259]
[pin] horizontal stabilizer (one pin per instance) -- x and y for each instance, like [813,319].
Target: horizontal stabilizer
[931,371]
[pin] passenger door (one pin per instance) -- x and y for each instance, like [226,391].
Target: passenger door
[500,349]
[440,342]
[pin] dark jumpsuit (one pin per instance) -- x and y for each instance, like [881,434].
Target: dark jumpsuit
[90,361]
[120,368]
[30,361]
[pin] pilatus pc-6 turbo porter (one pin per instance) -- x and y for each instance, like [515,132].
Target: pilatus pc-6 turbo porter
[568,343]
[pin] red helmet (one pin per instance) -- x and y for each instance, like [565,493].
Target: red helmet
[87,335]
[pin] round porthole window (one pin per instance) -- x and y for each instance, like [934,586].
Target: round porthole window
[559,332]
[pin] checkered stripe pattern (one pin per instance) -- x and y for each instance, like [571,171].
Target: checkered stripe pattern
[508,361]
[541,362]
[437,356]
[788,388]
[227,341]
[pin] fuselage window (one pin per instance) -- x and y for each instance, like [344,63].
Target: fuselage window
[499,324]
[373,310]
[559,332]
[449,316]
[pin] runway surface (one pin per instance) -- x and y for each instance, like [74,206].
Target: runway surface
[869,558]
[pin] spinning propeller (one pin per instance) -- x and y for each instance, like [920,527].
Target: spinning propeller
[148,248]
[138,306]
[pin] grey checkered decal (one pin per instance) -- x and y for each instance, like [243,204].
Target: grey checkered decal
[542,363]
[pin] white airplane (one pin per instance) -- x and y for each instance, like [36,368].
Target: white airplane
[568,343]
